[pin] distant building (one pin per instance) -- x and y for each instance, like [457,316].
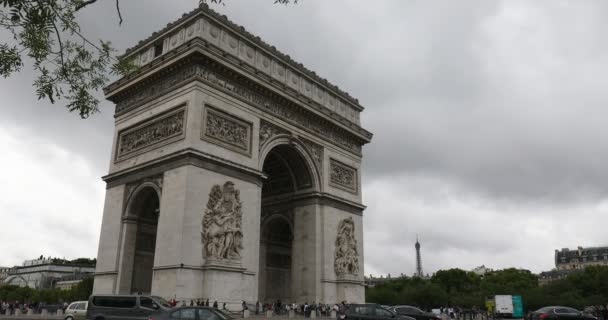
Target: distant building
[419,272]
[44,273]
[570,261]
[549,276]
[372,281]
[566,259]
[481,271]
[4,272]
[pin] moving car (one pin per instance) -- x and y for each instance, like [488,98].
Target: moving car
[370,311]
[190,313]
[76,310]
[559,313]
[108,307]
[414,313]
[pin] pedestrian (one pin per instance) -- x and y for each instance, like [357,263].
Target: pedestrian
[257,307]
[207,302]
[244,305]
[191,303]
[224,306]
[215,304]
[342,311]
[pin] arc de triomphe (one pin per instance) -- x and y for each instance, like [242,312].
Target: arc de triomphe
[235,173]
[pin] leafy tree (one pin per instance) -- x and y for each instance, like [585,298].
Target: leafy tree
[68,66]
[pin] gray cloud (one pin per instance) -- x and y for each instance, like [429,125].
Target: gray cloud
[488,119]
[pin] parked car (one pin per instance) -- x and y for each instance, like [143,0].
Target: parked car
[415,313]
[190,313]
[108,307]
[370,311]
[559,313]
[76,310]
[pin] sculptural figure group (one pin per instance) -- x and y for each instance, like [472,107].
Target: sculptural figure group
[346,256]
[221,231]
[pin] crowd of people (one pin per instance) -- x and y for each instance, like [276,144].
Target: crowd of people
[305,309]
[16,307]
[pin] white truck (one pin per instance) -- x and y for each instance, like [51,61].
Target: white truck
[503,306]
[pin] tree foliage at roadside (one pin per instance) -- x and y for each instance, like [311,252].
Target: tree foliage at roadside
[45,35]
[80,291]
[457,287]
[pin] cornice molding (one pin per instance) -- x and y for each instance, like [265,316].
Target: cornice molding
[205,23]
[195,64]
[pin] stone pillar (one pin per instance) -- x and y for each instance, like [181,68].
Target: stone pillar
[246,313]
[292,314]
[306,260]
[44,313]
[333,314]
[127,254]
[109,242]
[269,314]
[60,312]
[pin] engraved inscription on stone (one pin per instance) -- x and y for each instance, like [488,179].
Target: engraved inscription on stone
[165,128]
[346,256]
[342,176]
[227,130]
[221,231]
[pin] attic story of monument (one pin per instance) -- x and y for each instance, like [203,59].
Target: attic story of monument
[235,173]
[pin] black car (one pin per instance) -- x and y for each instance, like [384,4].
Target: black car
[559,313]
[370,311]
[415,313]
[191,313]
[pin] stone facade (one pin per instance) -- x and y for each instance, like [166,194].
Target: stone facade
[235,173]
[43,273]
[566,259]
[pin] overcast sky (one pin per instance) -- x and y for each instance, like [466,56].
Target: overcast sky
[489,122]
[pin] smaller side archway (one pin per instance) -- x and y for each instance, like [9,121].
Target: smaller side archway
[141,224]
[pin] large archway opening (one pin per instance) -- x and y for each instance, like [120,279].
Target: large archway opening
[288,175]
[146,208]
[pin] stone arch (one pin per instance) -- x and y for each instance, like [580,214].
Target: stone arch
[135,191]
[140,221]
[303,151]
[10,280]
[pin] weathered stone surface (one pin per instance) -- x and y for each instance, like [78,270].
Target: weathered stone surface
[230,137]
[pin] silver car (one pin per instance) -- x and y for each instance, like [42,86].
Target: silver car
[76,310]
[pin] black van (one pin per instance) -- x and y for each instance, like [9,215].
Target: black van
[108,307]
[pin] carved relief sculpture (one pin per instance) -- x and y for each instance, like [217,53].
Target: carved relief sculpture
[269,130]
[221,231]
[342,176]
[151,132]
[227,130]
[346,256]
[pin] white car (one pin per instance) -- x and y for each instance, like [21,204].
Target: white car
[76,310]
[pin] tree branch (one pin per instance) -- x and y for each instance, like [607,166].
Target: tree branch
[84,4]
[118,10]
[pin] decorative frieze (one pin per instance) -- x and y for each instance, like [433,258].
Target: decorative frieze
[346,255]
[317,154]
[268,131]
[342,176]
[227,130]
[250,93]
[160,130]
[221,227]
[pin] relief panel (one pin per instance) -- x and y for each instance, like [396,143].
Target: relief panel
[227,130]
[342,176]
[152,133]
